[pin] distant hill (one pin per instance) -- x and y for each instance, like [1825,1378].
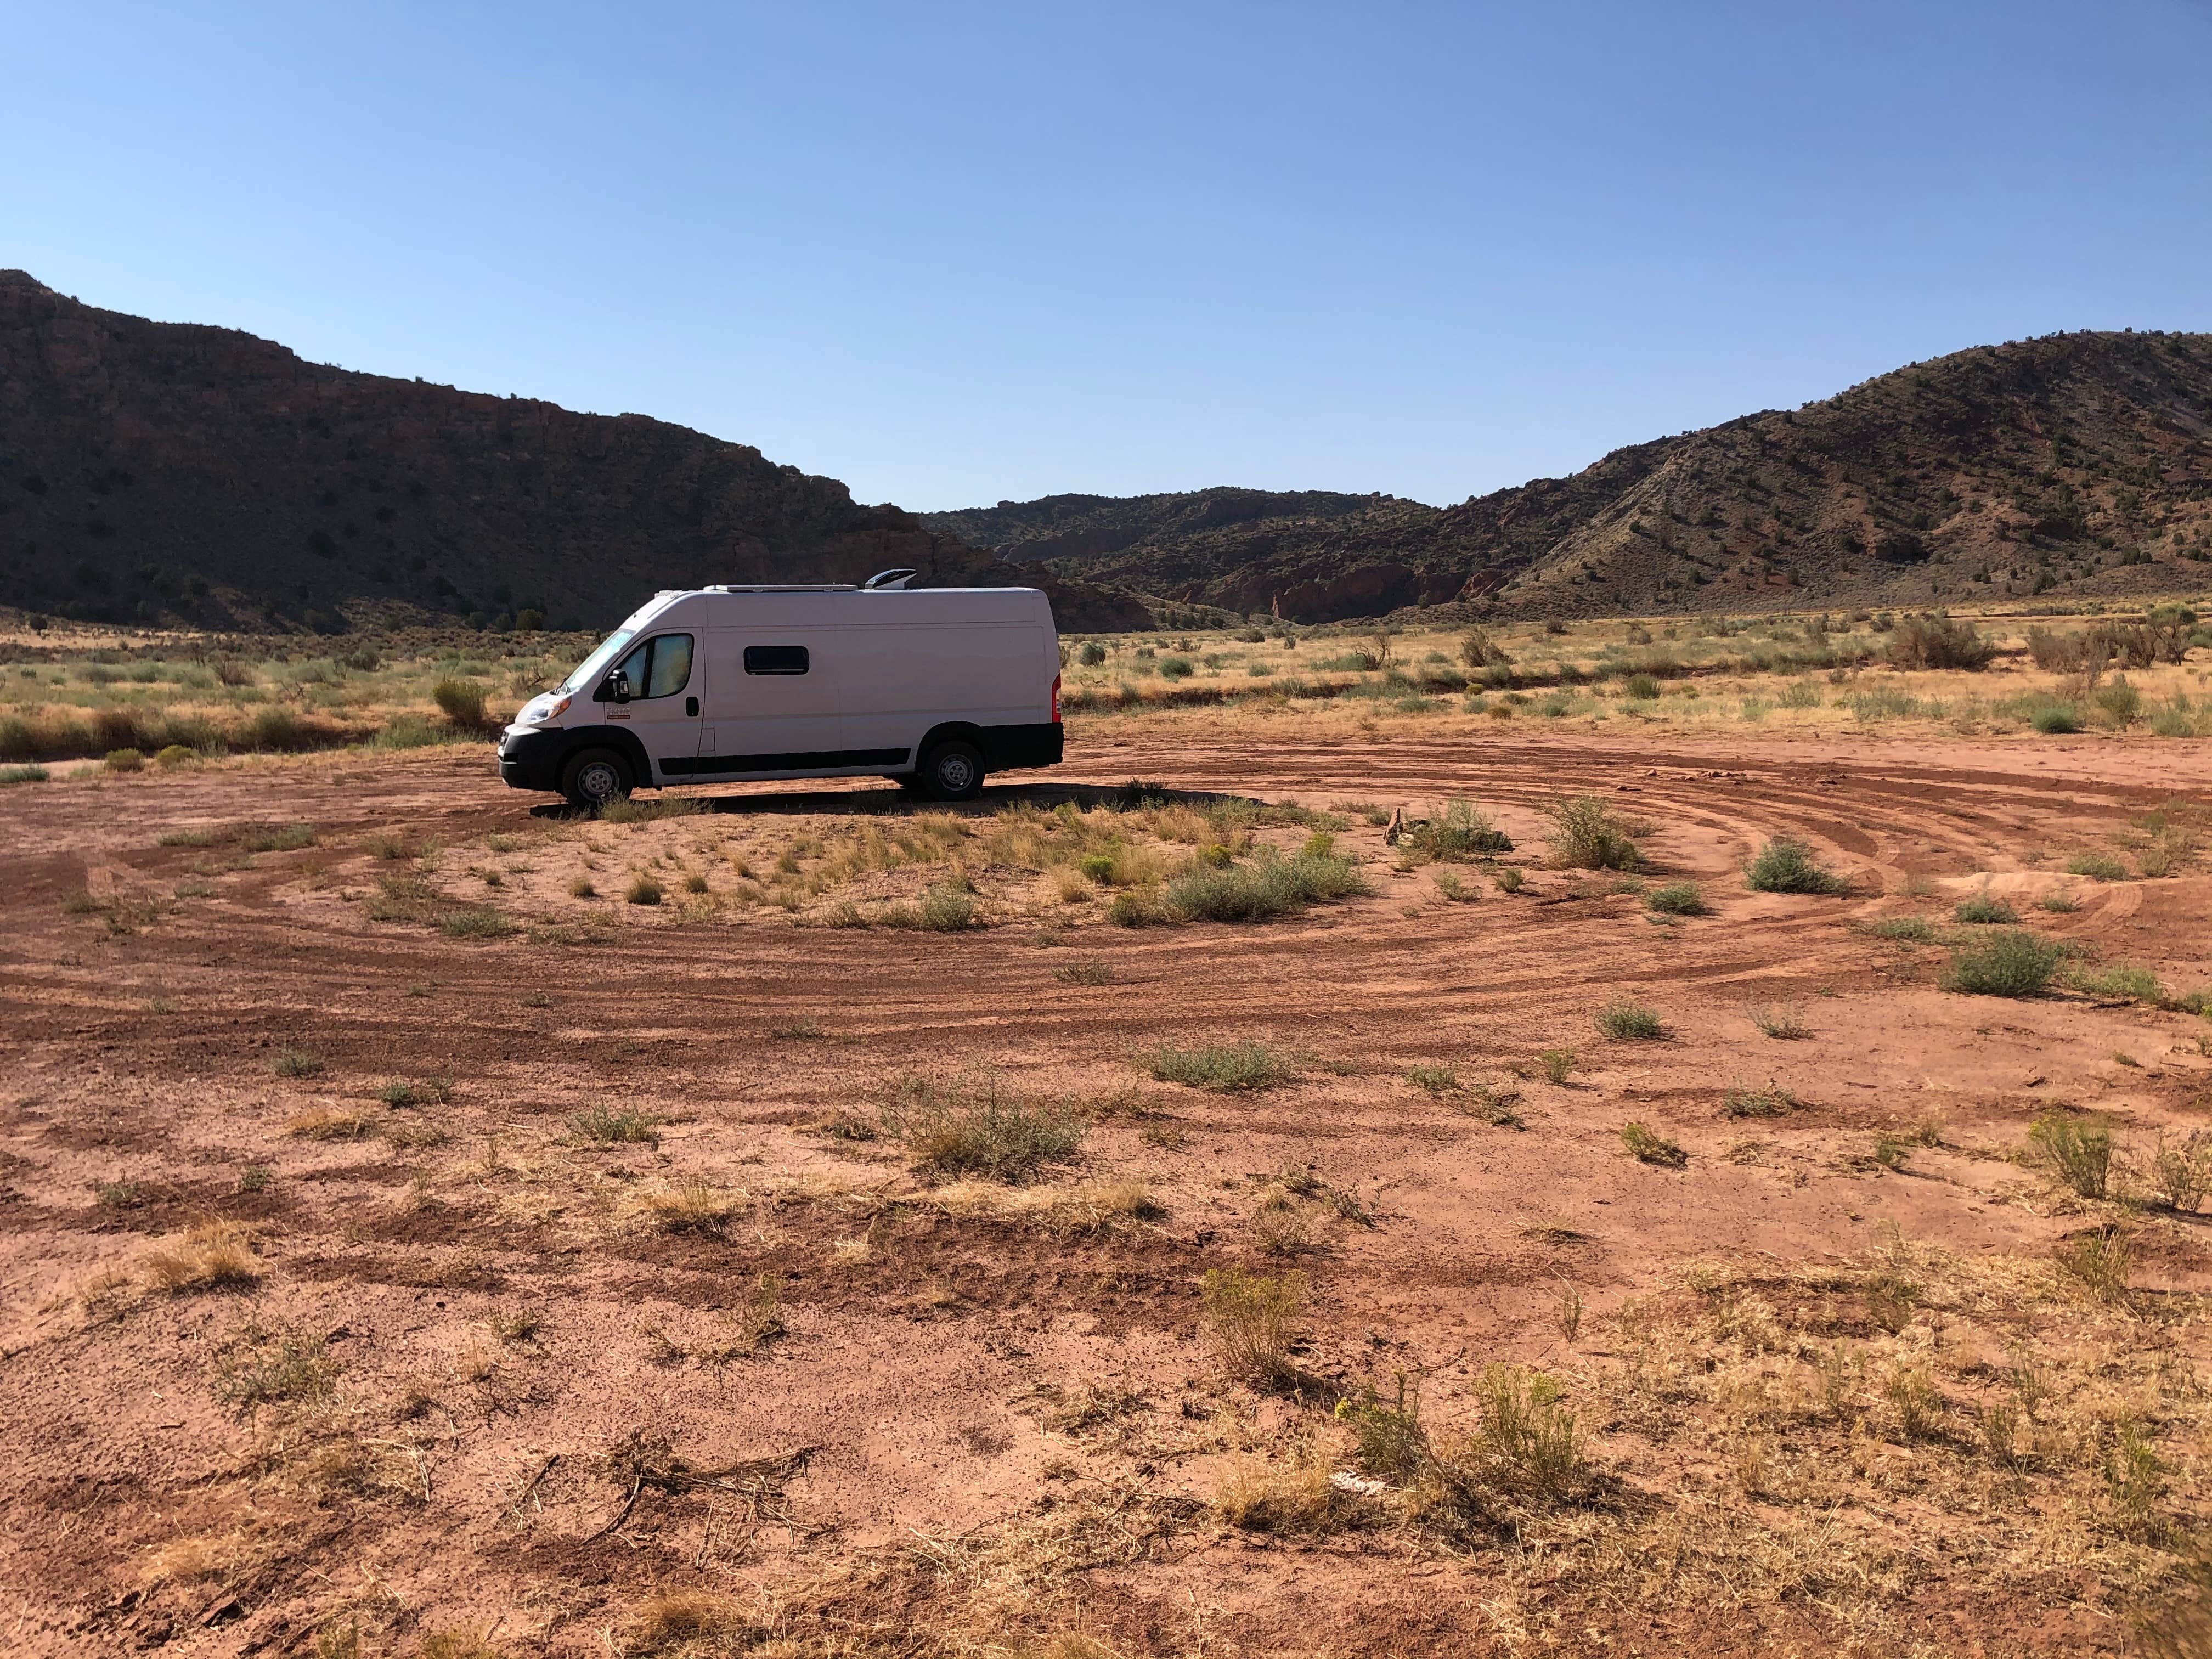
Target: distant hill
[2079,464]
[169,472]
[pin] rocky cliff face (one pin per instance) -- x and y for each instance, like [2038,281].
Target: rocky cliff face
[167,471]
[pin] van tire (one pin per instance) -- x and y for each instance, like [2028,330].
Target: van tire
[952,771]
[594,778]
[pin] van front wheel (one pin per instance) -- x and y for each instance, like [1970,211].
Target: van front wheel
[594,778]
[953,771]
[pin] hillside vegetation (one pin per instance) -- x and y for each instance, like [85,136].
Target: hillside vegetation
[2080,464]
[168,472]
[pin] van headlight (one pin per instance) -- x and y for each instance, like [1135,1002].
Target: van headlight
[540,709]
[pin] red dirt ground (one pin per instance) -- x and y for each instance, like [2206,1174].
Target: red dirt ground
[931,1345]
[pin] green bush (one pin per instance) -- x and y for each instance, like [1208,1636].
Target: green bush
[125,760]
[1175,668]
[1224,1068]
[475,921]
[2055,721]
[1938,640]
[1092,654]
[24,774]
[2013,964]
[1914,930]
[1679,898]
[1786,864]
[1586,835]
[1626,1022]
[1645,1147]
[278,838]
[2079,1149]
[2098,866]
[1641,688]
[2138,984]
[1985,908]
[175,755]
[461,701]
[1462,834]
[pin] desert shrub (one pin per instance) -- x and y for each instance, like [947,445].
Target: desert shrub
[1773,1101]
[1679,898]
[1558,1064]
[475,921]
[1647,1147]
[1530,1438]
[2098,866]
[2101,1259]
[1387,1435]
[1786,864]
[2078,1149]
[1938,640]
[24,774]
[1092,654]
[2118,703]
[1437,1079]
[296,1062]
[2055,720]
[1084,973]
[125,760]
[1507,879]
[1913,930]
[2012,964]
[1263,889]
[462,701]
[1626,1022]
[1251,1321]
[175,755]
[1785,1024]
[1462,834]
[607,1126]
[944,909]
[277,838]
[2059,903]
[2121,980]
[1586,835]
[1224,1068]
[642,890]
[1983,908]
[2181,1176]
[969,1127]
[1640,688]
[1478,650]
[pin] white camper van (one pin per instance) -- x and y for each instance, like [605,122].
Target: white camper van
[930,687]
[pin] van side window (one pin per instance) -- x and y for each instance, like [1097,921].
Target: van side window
[776,660]
[658,668]
[672,664]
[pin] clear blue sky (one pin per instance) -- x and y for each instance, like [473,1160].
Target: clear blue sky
[952,253]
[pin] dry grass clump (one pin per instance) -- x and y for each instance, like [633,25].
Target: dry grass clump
[293,1368]
[1251,1323]
[970,1125]
[947,907]
[690,1206]
[607,1126]
[216,1256]
[1679,898]
[2101,1259]
[330,1124]
[1300,1500]
[2181,1176]
[689,1624]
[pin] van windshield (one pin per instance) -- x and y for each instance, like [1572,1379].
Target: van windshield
[589,670]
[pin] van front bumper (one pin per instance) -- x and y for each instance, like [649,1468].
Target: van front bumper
[530,758]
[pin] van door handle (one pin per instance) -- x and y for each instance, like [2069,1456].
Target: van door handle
[691,707]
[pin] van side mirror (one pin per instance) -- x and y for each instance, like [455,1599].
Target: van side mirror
[615,687]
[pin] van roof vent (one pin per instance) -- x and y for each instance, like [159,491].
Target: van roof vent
[887,579]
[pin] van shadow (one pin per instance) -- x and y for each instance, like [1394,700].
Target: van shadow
[896,803]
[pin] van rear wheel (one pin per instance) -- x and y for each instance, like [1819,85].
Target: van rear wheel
[953,771]
[594,778]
